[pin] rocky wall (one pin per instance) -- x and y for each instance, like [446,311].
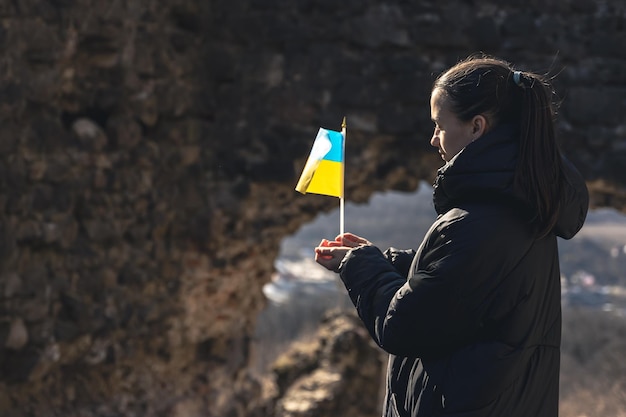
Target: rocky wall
[149,150]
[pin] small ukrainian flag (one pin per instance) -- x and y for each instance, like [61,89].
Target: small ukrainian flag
[323,172]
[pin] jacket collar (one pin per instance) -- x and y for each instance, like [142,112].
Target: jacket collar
[483,170]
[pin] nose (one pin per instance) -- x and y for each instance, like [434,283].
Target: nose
[434,141]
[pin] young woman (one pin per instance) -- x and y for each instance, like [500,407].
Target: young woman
[472,319]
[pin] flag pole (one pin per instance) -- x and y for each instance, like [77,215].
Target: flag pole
[343,176]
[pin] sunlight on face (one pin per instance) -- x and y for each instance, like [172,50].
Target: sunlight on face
[451,134]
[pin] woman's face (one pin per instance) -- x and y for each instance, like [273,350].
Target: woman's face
[451,134]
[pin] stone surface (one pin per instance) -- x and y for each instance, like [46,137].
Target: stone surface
[149,150]
[339,373]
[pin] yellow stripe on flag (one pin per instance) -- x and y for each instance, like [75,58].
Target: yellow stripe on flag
[326,179]
[307,175]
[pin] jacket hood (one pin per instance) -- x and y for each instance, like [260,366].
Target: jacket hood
[484,171]
[574,202]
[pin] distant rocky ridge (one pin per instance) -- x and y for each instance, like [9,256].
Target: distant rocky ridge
[149,150]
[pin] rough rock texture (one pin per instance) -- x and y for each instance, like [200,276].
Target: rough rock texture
[339,373]
[149,149]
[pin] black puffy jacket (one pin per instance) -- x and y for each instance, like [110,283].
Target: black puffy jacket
[472,319]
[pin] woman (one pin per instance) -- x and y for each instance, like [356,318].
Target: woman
[472,319]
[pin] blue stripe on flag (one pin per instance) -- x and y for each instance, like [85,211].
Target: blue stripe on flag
[336,152]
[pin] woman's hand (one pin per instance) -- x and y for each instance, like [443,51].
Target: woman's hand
[329,254]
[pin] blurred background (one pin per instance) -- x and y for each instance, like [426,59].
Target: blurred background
[593,292]
[151,241]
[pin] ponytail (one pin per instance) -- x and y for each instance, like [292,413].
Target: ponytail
[538,173]
[493,88]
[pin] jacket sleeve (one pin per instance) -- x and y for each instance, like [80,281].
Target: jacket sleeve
[441,306]
[400,259]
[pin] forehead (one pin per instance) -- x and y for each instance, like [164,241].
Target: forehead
[438,101]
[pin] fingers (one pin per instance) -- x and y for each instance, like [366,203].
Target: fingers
[352,240]
[319,257]
[329,254]
[329,264]
[330,257]
[327,243]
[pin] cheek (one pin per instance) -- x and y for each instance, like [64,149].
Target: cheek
[445,141]
[451,143]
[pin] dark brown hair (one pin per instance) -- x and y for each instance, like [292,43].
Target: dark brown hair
[490,86]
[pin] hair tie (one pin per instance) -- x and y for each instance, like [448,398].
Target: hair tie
[517,78]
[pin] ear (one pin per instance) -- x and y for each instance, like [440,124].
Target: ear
[479,126]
